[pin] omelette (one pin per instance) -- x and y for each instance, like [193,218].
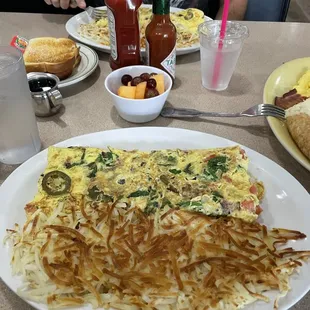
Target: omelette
[185,21]
[214,182]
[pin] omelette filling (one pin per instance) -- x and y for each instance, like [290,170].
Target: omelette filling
[214,182]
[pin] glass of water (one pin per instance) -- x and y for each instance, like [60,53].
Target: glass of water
[209,33]
[19,135]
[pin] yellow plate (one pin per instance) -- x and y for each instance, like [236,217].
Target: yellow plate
[279,82]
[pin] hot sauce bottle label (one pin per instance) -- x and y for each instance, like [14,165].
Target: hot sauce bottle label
[169,62]
[147,53]
[112,31]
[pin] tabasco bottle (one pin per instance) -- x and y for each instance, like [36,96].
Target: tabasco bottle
[161,37]
[124,32]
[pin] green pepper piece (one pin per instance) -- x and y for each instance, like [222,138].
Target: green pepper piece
[168,161]
[216,196]
[164,179]
[107,158]
[96,194]
[175,171]
[188,169]
[189,15]
[166,202]
[138,194]
[93,167]
[191,205]
[215,168]
[185,204]
[79,163]
[172,189]
[151,207]
[56,183]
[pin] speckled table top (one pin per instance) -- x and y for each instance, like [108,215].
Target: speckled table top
[88,107]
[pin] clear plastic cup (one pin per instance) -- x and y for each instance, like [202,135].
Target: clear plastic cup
[209,33]
[19,136]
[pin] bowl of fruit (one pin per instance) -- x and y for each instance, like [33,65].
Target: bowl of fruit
[138,92]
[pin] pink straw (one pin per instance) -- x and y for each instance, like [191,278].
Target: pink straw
[218,60]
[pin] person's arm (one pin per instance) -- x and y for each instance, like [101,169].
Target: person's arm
[237,9]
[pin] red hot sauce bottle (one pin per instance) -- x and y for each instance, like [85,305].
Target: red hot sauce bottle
[161,38]
[124,32]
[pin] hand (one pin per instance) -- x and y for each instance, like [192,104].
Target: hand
[64,4]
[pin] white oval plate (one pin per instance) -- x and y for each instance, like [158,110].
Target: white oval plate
[88,64]
[74,22]
[286,203]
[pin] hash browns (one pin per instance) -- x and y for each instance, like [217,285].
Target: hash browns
[113,255]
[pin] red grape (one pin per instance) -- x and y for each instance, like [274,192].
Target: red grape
[151,92]
[126,78]
[145,76]
[151,83]
[136,80]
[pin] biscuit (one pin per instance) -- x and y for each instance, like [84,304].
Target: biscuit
[299,128]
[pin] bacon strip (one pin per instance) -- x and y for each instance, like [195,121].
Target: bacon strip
[289,99]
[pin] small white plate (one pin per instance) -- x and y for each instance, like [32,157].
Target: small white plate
[286,202]
[88,64]
[74,22]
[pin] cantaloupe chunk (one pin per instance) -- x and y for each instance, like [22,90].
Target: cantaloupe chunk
[160,80]
[127,92]
[140,90]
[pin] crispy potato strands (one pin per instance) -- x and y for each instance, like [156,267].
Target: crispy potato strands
[120,258]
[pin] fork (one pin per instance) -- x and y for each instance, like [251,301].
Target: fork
[92,12]
[257,110]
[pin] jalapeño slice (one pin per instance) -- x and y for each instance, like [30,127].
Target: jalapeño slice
[56,183]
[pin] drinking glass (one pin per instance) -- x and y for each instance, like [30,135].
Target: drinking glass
[209,33]
[19,135]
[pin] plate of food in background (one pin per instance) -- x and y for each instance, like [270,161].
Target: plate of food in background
[160,218]
[96,33]
[71,62]
[288,87]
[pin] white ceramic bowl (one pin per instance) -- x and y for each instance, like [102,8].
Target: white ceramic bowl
[137,110]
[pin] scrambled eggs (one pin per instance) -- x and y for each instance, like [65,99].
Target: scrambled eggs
[303,85]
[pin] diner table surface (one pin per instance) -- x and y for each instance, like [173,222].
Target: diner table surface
[88,107]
